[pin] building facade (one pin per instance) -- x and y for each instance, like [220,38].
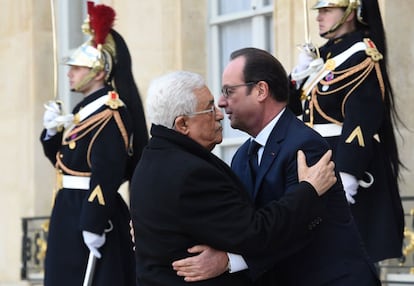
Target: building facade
[162,35]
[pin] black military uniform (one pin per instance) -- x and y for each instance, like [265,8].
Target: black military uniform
[95,150]
[345,103]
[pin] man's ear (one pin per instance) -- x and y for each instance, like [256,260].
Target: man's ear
[100,75]
[263,90]
[351,16]
[180,125]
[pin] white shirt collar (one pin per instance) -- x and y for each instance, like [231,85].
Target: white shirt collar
[264,134]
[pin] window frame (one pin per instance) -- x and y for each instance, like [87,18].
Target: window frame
[259,13]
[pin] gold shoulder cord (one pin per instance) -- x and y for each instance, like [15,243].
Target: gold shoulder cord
[366,67]
[121,127]
[82,129]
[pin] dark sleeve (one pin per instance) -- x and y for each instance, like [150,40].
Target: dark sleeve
[294,103]
[51,145]
[364,114]
[217,214]
[305,209]
[108,157]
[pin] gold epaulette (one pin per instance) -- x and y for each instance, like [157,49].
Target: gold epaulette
[372,50]
[114,102]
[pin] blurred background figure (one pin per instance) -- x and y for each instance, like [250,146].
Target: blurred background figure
[94,149]
[342,90]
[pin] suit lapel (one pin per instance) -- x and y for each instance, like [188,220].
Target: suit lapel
[272,148]
[240,165]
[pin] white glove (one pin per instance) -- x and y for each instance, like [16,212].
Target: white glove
[53,118]
[52,111]
[94,241]
[64,120]
[350,184]
[304,59]
[309,63]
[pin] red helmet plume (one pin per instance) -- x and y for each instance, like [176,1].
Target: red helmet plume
[101,20]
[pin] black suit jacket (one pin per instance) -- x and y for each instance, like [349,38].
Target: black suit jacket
[334,255]
[183,195]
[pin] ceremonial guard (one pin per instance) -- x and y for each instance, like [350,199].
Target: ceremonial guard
[342,91]
[94,150]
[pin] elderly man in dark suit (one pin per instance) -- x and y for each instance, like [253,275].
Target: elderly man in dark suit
[255,95]
[182,194]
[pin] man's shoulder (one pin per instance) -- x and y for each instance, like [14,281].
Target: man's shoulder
[300,134]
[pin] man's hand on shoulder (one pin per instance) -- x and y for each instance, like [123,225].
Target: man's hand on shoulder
[321,175]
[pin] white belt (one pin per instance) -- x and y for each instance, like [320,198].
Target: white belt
[75,182]
[328,130]
[332,129]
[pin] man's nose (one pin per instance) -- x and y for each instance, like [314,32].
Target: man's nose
[222,101]
[219,113]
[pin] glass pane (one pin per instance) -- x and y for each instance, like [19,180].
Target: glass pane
[227,6]
[76,17]
[270,37]
[233,37]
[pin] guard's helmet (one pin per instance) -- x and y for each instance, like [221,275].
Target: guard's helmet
[107,51]
[348,5]
[331,3]
[98,53]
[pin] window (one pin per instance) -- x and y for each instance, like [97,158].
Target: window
[69,16]
[233,25]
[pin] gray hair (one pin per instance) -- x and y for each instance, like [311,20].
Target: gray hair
[172,95]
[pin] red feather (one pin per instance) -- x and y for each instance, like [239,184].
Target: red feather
[91,4]
[101,20]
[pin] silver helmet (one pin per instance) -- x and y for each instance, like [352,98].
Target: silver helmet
[349,6]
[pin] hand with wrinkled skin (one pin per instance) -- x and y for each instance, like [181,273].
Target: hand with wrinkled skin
[207,264]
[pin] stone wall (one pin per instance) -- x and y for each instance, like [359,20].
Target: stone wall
[162,35]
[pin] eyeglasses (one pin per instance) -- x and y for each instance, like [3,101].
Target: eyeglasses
[211,109]
[226,91]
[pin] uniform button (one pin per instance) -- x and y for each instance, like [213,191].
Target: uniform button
[309,97]
[60,155]
[307,111]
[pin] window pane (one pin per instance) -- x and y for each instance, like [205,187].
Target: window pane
[76,18]
[239,27]
[233,37]
[270,39]
[227,6]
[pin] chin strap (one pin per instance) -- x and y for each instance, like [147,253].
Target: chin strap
[353,5]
